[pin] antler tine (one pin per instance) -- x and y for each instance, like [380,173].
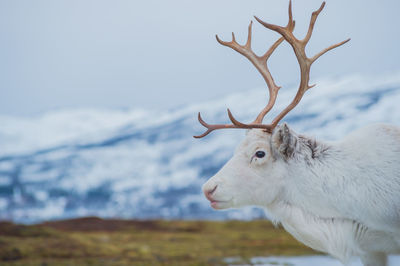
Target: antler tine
[304,62]
[291,21]
[333,46]
[251,125]
[235,124]
[314,17]
[211,128]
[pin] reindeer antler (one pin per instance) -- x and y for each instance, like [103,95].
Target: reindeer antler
[304,62]
[260,62]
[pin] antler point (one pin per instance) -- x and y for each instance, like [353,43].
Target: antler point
[203,135]
[322,7]
[202,121]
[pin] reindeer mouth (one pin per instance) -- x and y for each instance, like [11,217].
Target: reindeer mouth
[220,204]
[217,204]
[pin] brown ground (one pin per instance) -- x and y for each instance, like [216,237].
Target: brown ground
[95,241]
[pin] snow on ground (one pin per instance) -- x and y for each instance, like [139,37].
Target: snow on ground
[394,260]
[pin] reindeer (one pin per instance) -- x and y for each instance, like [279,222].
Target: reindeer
[341,197]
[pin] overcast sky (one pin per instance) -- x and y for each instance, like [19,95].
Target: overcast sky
[162,53]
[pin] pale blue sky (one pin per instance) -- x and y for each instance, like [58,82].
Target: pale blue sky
[161,54]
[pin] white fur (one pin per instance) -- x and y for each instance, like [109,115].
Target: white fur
[342,198]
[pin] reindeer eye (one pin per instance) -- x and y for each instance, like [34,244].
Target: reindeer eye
[260,154]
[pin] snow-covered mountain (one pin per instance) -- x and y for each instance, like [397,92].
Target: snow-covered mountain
[146,164]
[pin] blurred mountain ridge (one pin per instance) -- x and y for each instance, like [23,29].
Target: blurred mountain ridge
[145,164]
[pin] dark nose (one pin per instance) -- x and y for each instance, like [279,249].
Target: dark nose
[209,192]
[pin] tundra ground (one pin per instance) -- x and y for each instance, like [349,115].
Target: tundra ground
[94,241]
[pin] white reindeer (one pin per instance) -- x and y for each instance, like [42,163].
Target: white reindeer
[342,198]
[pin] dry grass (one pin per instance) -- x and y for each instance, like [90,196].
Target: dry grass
[94,241]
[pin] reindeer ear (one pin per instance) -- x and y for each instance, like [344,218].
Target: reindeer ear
[283,142]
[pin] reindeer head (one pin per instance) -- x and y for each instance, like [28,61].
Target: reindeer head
[255,174]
